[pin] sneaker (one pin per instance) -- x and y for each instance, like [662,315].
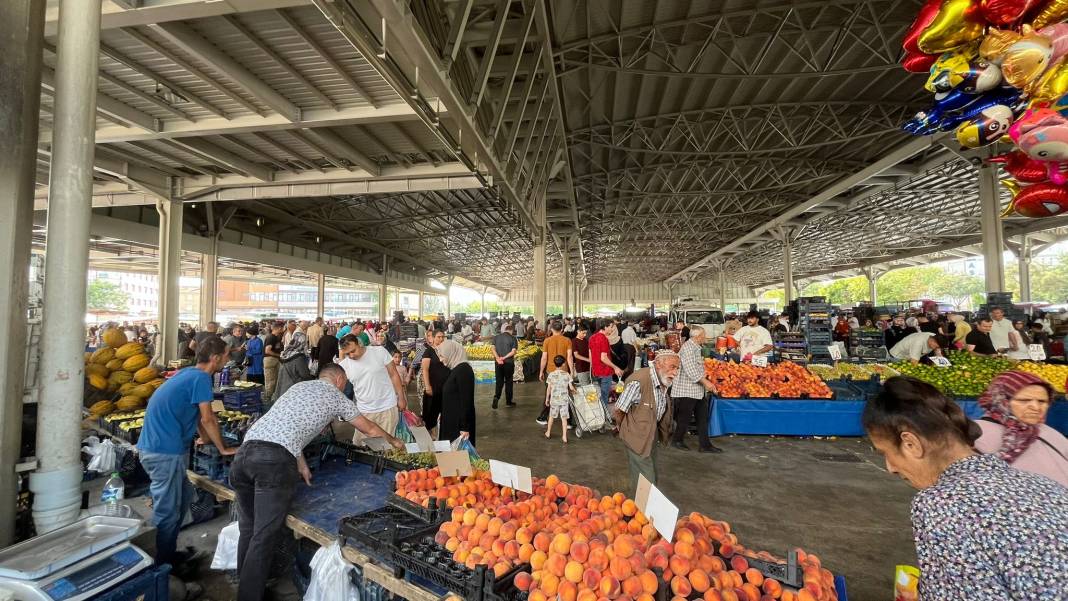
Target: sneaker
[542,422]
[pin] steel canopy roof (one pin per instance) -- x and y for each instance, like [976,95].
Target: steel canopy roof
[670,140]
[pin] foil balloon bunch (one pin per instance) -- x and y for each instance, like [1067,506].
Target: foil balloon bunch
[999,72]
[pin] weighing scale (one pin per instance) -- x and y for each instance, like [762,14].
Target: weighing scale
[75,562]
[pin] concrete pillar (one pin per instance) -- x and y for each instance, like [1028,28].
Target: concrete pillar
[383,290]
[722,290]
[990,227]
[448,297]
[209,282]
[788,268]
[565,288]
[1023,255]
[57,482]
[422,305]
[539,281]
[580,294]
[21,28]
[171,214]
[320,296]
[872,275]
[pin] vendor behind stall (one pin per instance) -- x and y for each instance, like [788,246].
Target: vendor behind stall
[268,466]
[179,410]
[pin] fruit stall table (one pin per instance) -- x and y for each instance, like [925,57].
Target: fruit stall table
[339,489]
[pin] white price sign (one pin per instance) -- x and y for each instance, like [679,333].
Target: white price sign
[835,351]
[1036,352]
[760,360]
[940,361]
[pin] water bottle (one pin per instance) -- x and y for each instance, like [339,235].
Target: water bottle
[113,494]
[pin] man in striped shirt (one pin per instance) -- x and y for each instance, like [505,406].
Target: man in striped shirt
[688,392]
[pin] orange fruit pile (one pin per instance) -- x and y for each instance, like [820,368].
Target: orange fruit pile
[586,547]
[786,380]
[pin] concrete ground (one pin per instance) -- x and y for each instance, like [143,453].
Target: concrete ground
[831,497]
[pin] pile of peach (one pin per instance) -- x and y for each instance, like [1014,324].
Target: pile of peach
[786,380]
[584,548]
[476,490]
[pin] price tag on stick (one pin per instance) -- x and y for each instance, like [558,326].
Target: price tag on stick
[513,476]
[940,361]
[454,463]
[1036,352]
[835,351]
[760,361]
[422,438]
[661,512]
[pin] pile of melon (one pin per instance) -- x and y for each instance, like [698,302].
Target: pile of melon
[121,371]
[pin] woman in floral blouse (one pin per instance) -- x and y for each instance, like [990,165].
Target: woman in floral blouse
[983,530]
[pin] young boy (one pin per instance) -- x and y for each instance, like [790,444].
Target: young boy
[557,392]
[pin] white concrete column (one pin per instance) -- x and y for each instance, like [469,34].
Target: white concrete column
[990,227]
[539,282]
[171,214]
[788,268]
[722,290]
[320,296]
[873,279]
[1023,256]
[21,27]
[565,288]
[383,290]
[57,482]
[483,308]
[209,281]
[422,305]
[448,298]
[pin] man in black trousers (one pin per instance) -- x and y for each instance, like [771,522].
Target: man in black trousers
[688,393]
[505,346]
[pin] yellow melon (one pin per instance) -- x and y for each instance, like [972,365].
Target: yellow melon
[97,381]
[114,365]
[102,355]
[129,350]
[101,408]
[142,391]
[146,375]
[135,363]
[118,378]
[126,388]
[88,357]
[130,403]
[156,383]
[114,337]
[96,369]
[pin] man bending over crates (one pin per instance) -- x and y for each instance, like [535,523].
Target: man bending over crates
[270,464]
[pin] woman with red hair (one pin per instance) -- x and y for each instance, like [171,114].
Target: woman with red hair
[1014,426]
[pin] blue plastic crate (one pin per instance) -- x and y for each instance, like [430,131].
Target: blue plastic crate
[248,400]
[149,585]
[844,390]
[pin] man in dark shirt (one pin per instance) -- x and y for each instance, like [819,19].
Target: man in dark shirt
[896,332]
[505,346]
[580,348]
[978,340]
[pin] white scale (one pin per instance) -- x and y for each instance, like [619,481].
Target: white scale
[75,562]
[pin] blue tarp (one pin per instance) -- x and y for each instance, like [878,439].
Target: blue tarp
[813,417]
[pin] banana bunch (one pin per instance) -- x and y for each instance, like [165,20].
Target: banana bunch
[479,352]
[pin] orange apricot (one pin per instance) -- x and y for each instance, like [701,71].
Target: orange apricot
[681,586]
[699,580]
[712,595]
[525,552]
[772,588]
[522,581]
[684,549]
[648,581]
[470,516]
[556,564]
[542,540]
[537,560]
[573,571]
[623,546]
[620,568]
[561,490]
[609,587]
[739,564]
[751,591]
[567,591]
[524,535]
[754,576]
[680,565]
[550,583]
[580,551]
[629,508]
[561,544]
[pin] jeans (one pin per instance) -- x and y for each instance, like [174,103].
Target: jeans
[685,408]
[503,375]
[606,383]
[264,476]
[171,496]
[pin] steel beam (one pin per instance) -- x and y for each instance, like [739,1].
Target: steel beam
[340,146]
[161,11]
[479,87]
[321,51]
[106,105]
[230,160]
[193,43]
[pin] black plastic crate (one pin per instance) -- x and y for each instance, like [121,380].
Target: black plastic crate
[381,530]
[420,556]
[503,588]
[437,512]
[245,400]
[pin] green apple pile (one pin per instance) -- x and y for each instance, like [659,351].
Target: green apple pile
[968,376]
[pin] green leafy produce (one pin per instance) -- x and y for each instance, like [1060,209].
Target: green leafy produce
[852,371]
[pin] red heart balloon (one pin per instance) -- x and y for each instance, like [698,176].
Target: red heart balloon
[1005,12]
[1022,167]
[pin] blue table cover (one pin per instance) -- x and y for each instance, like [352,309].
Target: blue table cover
[816,417]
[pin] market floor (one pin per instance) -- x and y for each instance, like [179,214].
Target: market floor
[831,497]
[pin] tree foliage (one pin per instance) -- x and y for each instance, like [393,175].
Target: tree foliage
[1049,283]
[102,295]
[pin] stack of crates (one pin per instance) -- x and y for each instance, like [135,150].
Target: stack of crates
[1002,300]
[245,400]
[792,346]
[866,345]
[814,321]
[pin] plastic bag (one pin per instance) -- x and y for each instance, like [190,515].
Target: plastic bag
[402,432]
[102,453]
[226,549]
[330,577]
[412,419]
[464,444]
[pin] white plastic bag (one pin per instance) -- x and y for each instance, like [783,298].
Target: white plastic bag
[226,549]
[330,577]
[102,453]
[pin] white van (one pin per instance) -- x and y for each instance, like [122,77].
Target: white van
[695,313]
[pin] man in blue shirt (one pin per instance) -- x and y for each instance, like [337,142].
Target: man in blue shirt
[179,410]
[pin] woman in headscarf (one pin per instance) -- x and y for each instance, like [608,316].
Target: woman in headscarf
[458,394]
[1015,429]
[961,329]
[433,374]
